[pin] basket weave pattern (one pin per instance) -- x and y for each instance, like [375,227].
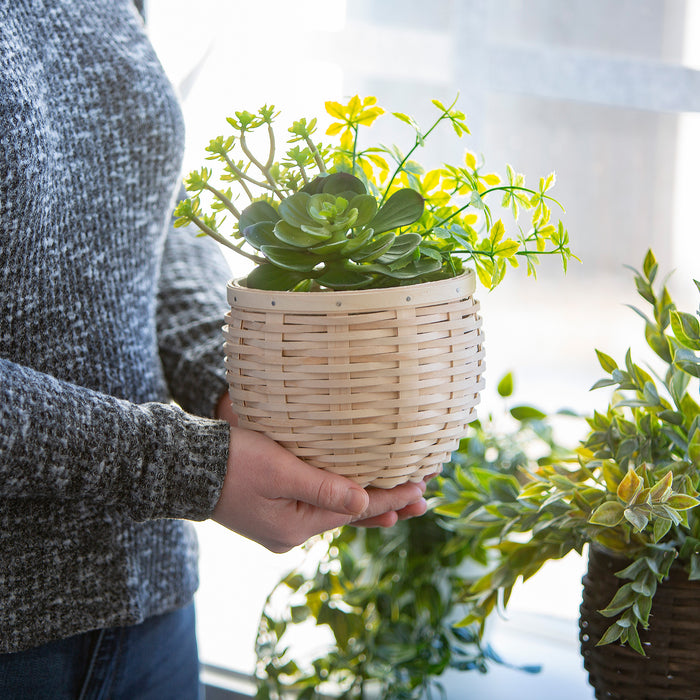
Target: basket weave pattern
[671,668]
[379,386]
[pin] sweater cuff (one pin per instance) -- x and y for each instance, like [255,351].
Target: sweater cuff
[185,459]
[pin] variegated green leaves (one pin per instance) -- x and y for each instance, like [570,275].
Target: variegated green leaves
[633,488]
[641,504]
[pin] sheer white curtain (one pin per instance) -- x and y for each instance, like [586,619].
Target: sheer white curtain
[604,92]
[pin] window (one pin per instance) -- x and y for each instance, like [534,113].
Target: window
[605,93]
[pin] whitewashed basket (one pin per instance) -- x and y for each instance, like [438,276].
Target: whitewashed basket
[377,385]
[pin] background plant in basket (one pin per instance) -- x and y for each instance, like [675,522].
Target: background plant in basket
[346,215]
[389,598]
[631,488]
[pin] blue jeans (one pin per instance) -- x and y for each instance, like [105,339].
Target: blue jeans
[156,660]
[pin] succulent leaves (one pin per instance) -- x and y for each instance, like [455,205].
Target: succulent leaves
[333,233]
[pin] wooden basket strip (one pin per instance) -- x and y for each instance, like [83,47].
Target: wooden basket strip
[302,410]
[382,369]
[250,392]
[356,301]
[375,414]
[378,400]
[427,357]
[365,331]
[325,435]
[390,467]
[317,322]
[256,323]
[386,455]
[373,404]
[316,446]
[386,376]
[310,321]
[305,396]
[304,385]
[388,477]
[291,335]
[424,344]
[337,348]
[398,449]
[322,427]
[373,472]
[322,318]
[368,383]
[322,440]
[307,431]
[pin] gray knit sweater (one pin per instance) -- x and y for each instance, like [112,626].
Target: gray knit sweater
[107,318]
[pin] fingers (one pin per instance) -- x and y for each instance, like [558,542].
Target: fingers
[324,490]
[276,499]
[414,509]
[384,520]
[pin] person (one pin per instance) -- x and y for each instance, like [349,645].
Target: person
[115,429]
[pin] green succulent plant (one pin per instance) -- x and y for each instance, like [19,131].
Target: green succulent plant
[631,487]
[334,229]
[340,217]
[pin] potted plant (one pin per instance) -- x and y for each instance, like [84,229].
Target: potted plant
[376,385]
[630,493]
[380,607]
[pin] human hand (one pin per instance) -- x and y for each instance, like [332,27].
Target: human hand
[279,501]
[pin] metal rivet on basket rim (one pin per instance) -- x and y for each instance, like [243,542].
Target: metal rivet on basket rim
[338,303]
[408,298]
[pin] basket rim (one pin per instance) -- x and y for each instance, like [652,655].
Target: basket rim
[458,287]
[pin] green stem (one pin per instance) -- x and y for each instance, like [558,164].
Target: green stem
[224,200]
[520,188]
[265,171]
[315,153]
[418,142]
[356,129]
[243,177]
[502,188]
[271,155]
[521,253]
[304,177]
[225,241]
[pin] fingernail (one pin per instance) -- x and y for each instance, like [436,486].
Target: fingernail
[356,501]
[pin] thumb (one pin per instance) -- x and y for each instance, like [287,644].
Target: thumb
[328,491]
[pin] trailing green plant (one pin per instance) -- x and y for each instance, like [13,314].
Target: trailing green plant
[348,216]
[632,486]
[390,598]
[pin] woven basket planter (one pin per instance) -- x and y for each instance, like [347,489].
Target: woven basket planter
[376,385]
[671,668]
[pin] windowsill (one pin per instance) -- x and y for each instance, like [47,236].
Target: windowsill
[524,639]
[231,598]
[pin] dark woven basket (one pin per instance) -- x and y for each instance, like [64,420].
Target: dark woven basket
[671,668]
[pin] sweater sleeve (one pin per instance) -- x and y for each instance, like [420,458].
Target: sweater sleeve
[62,441]
[190,316]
